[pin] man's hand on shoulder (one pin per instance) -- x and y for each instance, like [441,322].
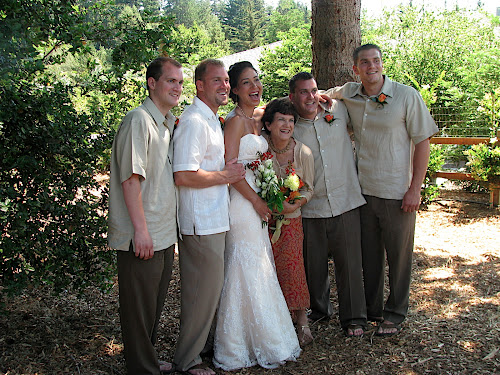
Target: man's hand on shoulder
[234,171]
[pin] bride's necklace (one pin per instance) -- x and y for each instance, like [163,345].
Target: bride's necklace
[283,150]
[244,115]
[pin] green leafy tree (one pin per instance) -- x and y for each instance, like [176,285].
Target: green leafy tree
[422,44]
[287,15]
[189,12]
[68,75]
[244,23]
[280,64]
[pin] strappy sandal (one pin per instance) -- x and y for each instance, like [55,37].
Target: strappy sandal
[351,328]
[304,335]
[387,325]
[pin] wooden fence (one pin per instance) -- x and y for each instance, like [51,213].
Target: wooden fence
[494,189]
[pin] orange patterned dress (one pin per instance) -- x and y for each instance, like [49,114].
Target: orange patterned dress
[289,262]
[287,251]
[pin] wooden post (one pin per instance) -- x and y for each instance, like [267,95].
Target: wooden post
[494,195]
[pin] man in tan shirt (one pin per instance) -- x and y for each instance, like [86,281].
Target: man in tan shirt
[392,127]
[331,218]
[142,214]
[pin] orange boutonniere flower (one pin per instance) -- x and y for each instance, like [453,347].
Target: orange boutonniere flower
[329,119]
[176,122]
[380,99]
[222,121]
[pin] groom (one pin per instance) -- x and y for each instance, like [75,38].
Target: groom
[202,178]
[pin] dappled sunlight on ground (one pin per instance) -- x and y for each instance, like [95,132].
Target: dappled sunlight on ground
[453,324]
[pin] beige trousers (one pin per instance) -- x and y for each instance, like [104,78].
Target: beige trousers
[201,260]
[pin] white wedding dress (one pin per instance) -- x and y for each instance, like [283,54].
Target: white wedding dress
[253,322]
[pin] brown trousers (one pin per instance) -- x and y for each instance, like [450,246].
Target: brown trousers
[201,260]
[338,236]
[143,287]
[386,229]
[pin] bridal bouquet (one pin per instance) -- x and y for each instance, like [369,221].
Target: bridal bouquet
[289,187]
[267,181]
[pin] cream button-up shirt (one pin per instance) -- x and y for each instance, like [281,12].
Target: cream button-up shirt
[336,186]
[143,146]
[199,143]
[385,135]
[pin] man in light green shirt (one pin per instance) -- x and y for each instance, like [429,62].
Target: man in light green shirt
[392,127]
[142,214]
[331,218]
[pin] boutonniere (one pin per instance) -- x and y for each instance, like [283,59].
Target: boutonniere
[329,119]
[380,99]
[222,121]
[176,122]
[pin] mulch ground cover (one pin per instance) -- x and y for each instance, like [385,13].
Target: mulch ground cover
[453,325]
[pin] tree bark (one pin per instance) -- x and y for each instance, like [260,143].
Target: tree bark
[335,33]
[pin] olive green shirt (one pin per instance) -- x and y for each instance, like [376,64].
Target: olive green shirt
[385,135]
[143,146]
[336,186]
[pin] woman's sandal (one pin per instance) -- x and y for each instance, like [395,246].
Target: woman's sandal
[304,335]
[350,330]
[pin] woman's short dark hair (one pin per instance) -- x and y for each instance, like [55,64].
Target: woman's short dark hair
[280,105]
[234,72]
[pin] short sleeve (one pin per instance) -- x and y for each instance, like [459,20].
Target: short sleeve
[190,143]
[131,147]
[419,122]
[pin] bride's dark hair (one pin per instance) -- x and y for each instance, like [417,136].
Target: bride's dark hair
[234,72]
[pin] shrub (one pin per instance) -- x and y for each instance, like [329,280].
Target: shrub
[484,162]
[430,190]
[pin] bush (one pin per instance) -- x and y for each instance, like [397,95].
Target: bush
[52,216]
[430,190]
[484,162]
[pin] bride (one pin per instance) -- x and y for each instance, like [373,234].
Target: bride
[253,322]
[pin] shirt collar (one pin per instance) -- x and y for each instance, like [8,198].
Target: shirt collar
[204,109]
[387,88]
[153,110]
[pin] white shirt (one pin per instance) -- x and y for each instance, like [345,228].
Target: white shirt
[199,144]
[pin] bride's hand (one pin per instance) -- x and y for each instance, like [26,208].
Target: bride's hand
[261,207]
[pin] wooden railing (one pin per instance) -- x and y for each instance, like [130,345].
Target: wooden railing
[494,189]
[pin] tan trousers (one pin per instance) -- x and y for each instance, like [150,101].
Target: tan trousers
[143,287]
[387,230]
[201,260]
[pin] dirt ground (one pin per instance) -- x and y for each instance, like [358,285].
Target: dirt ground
[453,325]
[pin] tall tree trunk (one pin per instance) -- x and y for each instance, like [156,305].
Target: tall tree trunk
[335,33]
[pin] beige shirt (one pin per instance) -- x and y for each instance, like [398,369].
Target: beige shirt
[336,186]
[385,135]
[303,164]
[199,143]
[142,146]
